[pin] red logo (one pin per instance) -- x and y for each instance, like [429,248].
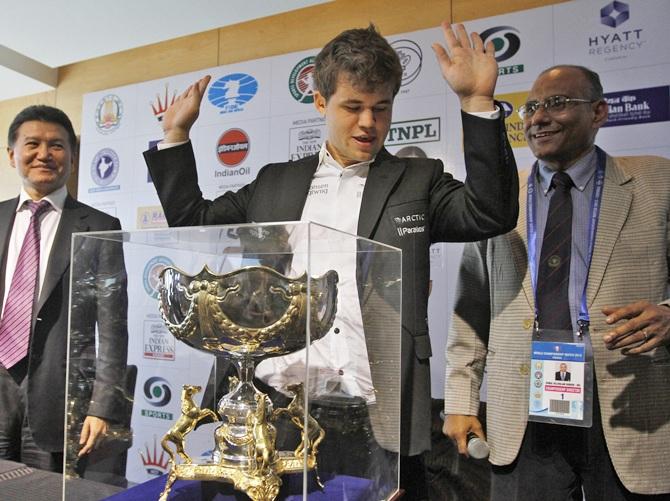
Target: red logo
[233,147]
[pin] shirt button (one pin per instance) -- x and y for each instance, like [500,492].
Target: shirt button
[340,372]
[336,330]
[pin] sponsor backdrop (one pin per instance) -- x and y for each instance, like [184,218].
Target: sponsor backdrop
[261,111]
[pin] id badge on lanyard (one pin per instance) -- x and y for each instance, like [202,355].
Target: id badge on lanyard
[561,364]
[561,378]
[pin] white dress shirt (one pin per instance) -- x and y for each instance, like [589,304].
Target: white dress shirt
[48,226]
[338,361]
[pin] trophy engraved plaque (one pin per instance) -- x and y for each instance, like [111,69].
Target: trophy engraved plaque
[245,316]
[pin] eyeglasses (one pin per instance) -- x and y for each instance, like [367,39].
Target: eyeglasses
[553,104]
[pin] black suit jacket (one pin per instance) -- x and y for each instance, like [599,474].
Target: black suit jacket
[486,205]
[558,376]
[100,297]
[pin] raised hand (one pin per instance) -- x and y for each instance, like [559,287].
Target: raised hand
[182,114]
[469,68]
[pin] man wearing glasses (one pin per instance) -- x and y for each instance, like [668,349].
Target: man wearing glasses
[612,296]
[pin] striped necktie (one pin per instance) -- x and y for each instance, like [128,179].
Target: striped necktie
[16,322]
[553,305]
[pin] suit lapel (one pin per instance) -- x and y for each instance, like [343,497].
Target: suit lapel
[616,201]
[72,220]
[383,176]
[520,246]
[293,193]
[7,215]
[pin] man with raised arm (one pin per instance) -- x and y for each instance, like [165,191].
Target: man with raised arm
[407,203]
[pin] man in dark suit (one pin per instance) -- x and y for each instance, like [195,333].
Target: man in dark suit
[563,374]
[41,146]
[407,203]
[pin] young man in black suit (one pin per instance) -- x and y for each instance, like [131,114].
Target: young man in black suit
[407,203]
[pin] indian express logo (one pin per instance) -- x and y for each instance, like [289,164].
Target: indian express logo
[506,43]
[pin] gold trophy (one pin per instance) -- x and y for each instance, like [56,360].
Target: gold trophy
[245,316]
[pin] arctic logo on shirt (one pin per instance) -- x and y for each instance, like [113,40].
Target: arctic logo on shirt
[407,225]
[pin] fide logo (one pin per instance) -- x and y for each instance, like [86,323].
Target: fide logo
[301,81]
[231,92]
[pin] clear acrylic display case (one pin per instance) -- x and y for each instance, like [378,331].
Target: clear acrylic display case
[218,307]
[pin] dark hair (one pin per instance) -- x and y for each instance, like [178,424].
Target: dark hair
[591,76]
[41,113]
[364,55]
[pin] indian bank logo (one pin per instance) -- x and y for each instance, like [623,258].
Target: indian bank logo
[108,114]
[231,92]
[232,147]
[104,169]
[506,41]
[157,391]
[151,275]
[162,103]
[614,14]
[301,81]
[155,460]
[411,59]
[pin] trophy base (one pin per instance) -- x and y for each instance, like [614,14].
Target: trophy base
[257,484]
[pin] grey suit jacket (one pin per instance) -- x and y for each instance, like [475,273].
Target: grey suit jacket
[451,211]
[493,320]
[100,298]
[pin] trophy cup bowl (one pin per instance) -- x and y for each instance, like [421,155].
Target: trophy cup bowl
[245,316]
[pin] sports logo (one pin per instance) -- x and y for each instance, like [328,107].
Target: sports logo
[151,274]
[157,391]
[108,114]
[162,104]
[155,462]
[506,41]
[104,169]
[301,81]
[411,59]
[614,14]
[232,147]
[231,92]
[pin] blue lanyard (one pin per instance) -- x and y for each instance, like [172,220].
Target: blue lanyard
[594,213]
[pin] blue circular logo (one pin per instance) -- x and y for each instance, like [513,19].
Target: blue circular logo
[229,93]
[104,167]
[152,272]
[157,391]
